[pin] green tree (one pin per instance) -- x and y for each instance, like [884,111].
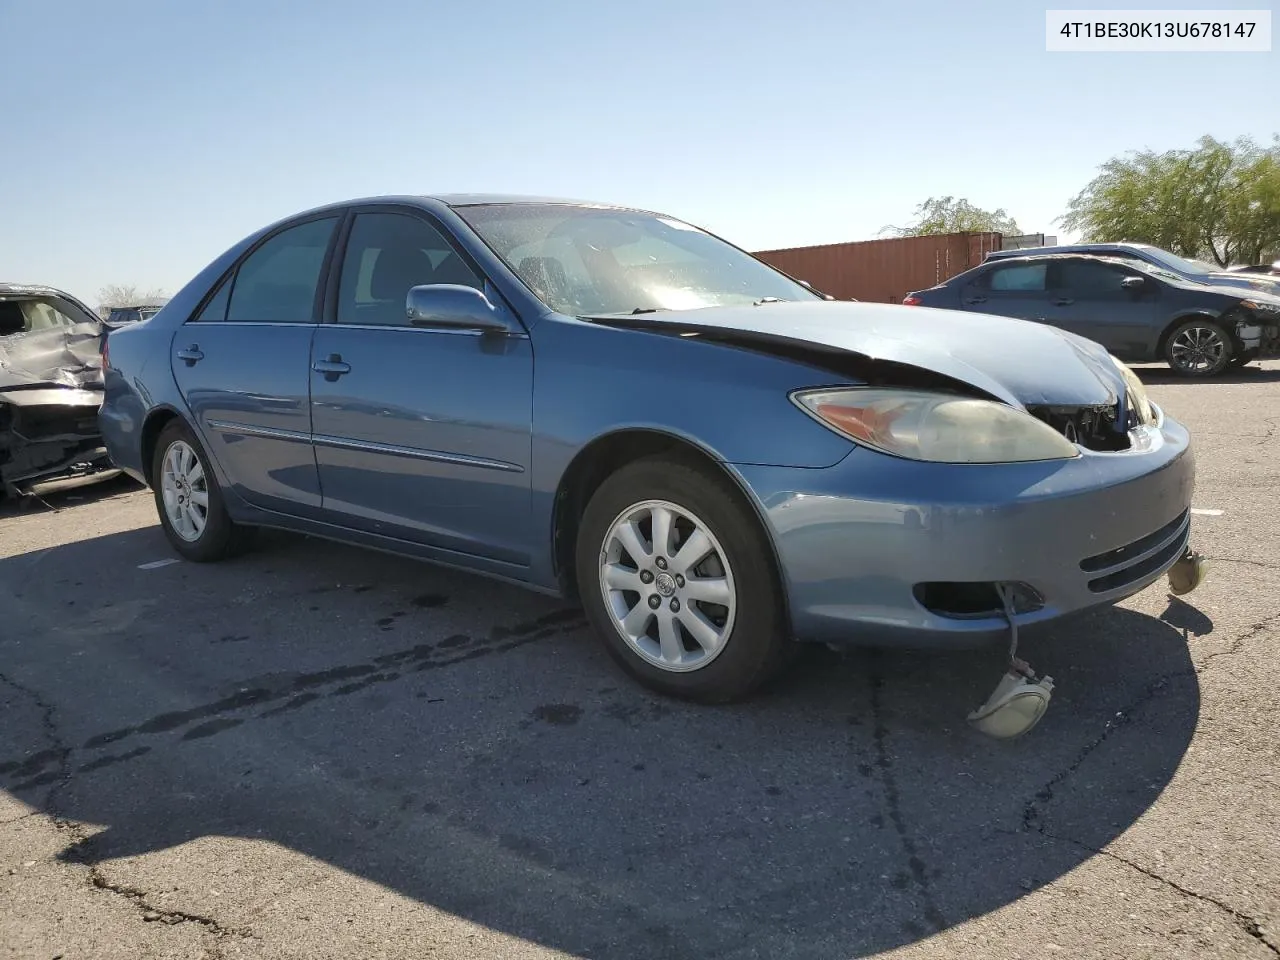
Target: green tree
[1218,200]
[949,215]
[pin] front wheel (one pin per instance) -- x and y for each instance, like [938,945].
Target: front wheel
[676,577]
[1198,348]
[189,500]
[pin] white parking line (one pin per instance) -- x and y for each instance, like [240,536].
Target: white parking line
[157,564]
[1201,512]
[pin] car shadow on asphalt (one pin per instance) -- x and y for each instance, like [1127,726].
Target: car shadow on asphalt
[469,746]
[1157,375]
[68,498]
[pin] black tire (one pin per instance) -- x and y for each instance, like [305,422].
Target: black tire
[220,538]
[757,645]
[1176,338]
[1243,358]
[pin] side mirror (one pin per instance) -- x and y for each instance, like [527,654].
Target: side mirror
[451,306]
[1133,283]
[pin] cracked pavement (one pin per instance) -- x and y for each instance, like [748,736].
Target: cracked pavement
[316,751]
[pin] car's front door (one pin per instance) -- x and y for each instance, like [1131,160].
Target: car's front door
[242,364]
[1088,297]
[1008,290]
[421,434]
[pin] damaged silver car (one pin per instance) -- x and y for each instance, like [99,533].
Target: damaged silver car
[50,391]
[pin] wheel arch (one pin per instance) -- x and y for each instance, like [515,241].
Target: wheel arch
[152,426]
[610,452]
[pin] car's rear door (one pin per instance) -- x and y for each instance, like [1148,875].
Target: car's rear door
[421,434]
[1088,298]
[243,366]
[1008,290]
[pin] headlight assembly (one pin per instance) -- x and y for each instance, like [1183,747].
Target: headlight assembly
[935,427]
[1137,390]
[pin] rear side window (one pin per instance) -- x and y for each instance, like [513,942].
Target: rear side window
[277,282]
[1019,277]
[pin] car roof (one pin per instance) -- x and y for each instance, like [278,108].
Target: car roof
[31,290]
[1067,248]
[479,199]
[452,201]
[1030,254]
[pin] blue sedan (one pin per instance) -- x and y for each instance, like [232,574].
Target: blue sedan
[617,407]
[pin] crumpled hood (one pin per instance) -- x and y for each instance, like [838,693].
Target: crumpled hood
[1017,361]
[59,357]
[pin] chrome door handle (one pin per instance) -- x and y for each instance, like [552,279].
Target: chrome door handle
[976,300]
[332,368]
[1063,302]
[192,355]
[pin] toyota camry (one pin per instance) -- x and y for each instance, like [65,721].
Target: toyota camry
[617,407]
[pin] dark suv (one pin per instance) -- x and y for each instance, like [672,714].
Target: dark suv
[1137,311]
[119,316]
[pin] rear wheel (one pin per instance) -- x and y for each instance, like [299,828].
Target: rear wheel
[1198,348]
[676,578]
[189,500]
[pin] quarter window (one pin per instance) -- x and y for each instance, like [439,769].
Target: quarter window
[277,282]
[387,254]
[1021,277]
[216,309]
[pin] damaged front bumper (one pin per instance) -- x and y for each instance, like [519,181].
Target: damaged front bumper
[1258,333]
[49,437]
[891,552]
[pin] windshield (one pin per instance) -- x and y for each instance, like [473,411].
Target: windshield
[1177,264]
[1155,271]
[586,261]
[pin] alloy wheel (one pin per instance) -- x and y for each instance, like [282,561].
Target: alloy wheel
[667,585]
[184,488]
[1197,349]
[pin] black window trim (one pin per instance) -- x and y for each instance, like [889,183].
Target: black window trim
[329,312]
[230,275]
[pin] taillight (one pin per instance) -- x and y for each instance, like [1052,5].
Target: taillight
[106,352]
[911,300]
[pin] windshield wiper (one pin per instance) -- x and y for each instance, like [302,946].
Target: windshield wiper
[768,300]
[644,310]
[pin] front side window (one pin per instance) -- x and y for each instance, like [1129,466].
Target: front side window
[1089,278]
[277,282]
[388,254]
[1019,278]
[585,261]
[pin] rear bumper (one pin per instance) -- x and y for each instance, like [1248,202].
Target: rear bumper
[855,540]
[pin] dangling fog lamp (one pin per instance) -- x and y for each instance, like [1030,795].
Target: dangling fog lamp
[1021,698]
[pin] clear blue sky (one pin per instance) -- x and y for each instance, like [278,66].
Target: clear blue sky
[143,138]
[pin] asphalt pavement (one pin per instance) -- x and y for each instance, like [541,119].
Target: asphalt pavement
[316,751]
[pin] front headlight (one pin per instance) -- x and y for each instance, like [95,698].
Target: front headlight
[1137,390]
[937,427]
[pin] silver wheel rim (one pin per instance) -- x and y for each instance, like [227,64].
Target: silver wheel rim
[667,586]
[1197,349]
[185,491]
